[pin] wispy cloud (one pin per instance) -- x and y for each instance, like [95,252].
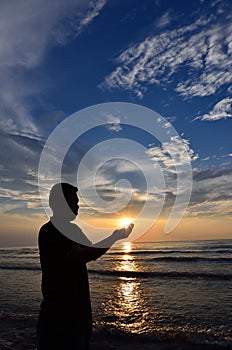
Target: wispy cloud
[28,30]
[221,110]
[164,20]
[77,16]
[94,10]
[202,51]
[173,154]
[19,156]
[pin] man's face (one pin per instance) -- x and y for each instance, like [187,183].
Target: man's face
[72,201]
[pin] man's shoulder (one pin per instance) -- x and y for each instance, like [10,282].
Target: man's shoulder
[76,234]
[45,227]
[65,231]
[47,231]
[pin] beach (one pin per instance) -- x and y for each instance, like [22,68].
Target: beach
[163,295]
[21,335]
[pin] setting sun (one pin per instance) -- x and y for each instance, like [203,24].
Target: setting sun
[124,222]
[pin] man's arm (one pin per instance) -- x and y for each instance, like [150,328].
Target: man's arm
[85,254]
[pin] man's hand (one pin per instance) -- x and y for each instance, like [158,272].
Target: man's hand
[123,232]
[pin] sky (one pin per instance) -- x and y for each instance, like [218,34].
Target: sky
[171,57]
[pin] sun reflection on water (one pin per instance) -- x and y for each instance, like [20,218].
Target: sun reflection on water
[126,307]
[127,247]
[129,310]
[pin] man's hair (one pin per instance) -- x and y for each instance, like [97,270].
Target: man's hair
[60,192]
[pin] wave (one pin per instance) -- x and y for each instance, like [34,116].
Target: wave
[34,252]
[168,274]
[109,335]
[18,316]
[18,267]
[19,251]
[217,246]
[200,340]
[154,252]
[190,259]
[155,259]
[139,274]
[19,257]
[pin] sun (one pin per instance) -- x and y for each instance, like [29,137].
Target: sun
[124,222]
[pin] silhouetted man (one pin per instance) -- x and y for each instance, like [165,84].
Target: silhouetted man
[65,320]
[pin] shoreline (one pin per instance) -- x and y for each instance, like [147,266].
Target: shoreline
[21,335]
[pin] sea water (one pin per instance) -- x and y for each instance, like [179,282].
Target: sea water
[160,289]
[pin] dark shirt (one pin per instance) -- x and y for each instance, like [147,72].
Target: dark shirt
[65,286]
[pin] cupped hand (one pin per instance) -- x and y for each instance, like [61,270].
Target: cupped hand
[123,232]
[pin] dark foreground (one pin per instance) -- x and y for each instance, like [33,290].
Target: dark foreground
[20,335]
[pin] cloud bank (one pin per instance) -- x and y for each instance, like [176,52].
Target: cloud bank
[28,30]
[201,51]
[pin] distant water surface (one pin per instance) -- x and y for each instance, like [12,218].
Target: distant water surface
[161,288]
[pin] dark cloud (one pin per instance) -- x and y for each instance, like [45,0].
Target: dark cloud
[210,173]
[199,196]
[31,141]
[224,197]
[19,156]
[18,185]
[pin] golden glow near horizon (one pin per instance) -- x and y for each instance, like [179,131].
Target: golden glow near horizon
[21,230]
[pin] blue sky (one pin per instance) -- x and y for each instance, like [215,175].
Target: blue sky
[57,57]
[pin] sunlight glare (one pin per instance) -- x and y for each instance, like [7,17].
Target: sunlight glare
[124,222]
[126,247]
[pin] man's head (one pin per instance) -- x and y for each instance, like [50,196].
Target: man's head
[63,201]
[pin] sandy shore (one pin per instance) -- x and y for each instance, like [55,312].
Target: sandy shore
[21,336]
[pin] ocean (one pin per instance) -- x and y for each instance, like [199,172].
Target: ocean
[158,290]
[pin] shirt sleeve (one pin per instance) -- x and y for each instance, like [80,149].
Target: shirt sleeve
[84,251]
[75,233]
